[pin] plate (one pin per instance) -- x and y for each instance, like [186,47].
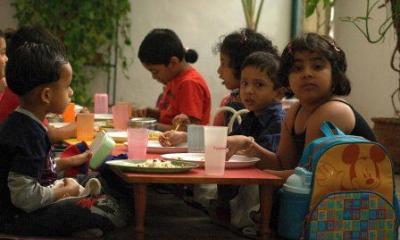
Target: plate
[103,116]
[136,166]
[58,124]
[236,161]
[155,147]
[118,136]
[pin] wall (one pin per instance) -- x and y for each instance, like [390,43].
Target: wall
[369,69]
[199,25]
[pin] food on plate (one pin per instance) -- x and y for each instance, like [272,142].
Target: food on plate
[154,135]
[155,163]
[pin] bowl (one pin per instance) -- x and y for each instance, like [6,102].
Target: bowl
[143,122]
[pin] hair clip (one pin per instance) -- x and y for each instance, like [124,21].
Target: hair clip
[332,44]
[243,38]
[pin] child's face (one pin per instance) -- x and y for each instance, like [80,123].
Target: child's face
[160,72]
[61,90]
[226,73]
[257,90]
[310,77]
[3,57]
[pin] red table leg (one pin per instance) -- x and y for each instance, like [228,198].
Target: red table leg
[266,192]
[140,195]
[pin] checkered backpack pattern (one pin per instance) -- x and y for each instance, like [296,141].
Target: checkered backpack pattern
[352,189]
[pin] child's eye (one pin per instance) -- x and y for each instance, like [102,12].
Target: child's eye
[259,85]
[318,66]
[243,83]
[295,68]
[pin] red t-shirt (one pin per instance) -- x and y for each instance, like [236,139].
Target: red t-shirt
[187,93]
[8,103]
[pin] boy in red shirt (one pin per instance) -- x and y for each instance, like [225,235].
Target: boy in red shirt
[186,92]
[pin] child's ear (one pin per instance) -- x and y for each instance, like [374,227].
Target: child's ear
[45,95]
[174,61]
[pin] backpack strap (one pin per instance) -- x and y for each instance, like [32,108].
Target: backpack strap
[329,129]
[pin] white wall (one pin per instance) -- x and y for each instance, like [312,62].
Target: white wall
[199,23]
[368,64]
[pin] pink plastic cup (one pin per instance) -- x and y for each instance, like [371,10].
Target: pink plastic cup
[101,103]
[85,126]
[121,113]
[137,143]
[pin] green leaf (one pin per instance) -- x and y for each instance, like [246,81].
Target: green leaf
[311,5]
[87,28]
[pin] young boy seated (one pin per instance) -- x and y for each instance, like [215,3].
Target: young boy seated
[261,93]
[40,75]
[10,100]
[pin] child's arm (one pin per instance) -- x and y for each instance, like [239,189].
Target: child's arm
[73,161]
[59,134]
[27,194]
[147,112]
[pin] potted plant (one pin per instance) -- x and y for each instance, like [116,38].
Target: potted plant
[87,28]
[252,13]
[386,129]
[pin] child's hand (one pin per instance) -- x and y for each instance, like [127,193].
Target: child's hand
[237,143]
[71,187]
[140,112]
[80,159]
[180,122]
[172,138]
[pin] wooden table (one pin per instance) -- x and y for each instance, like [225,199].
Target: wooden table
[244,176]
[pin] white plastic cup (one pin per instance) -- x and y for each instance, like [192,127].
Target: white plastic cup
[195,138]
[215,149]
[101,103]
[137,143]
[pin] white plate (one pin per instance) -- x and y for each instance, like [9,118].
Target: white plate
[103,116]
[155,147]
[58,124]
[236,161]
[118,136]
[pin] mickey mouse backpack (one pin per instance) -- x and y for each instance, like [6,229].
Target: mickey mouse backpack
[352,190]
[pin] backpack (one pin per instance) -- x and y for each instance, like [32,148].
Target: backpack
[352,188]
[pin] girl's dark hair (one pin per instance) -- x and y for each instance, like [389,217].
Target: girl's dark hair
[160,45]
[34,59]
[327,48]
[265,62]
[239,44]
[2,34]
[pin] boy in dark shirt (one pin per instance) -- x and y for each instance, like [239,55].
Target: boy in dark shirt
[261,93]
[40,75]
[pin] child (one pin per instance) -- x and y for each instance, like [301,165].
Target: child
[233,49]
[40,75]
[10,100]
[3,61]
[261,94]
[313,67]
[162,53]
